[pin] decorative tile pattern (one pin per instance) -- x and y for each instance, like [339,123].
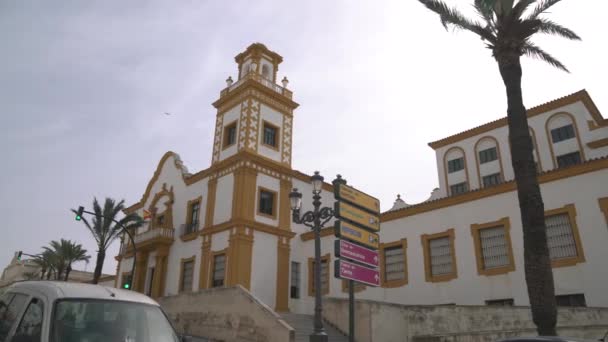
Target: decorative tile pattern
[286,155]
[217,142]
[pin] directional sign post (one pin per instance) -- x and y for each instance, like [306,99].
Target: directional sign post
[357,245]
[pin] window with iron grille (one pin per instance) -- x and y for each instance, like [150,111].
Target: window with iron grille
[187,275]
[266,203]
[500,302]
[219,267]
[455,164]
[458,188]
[562,133]
[488,155]
[490,180]
[569,159]
[270,135]
[230,134]
[394,263]
[560,238]
[440,251]
[494,247]
[324,276]
[571,300]
[295,279]
[195,209]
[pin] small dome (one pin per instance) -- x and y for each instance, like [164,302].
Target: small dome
[399,204]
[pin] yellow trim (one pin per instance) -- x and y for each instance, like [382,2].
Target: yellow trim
[445,169]
[141,268]
[225,136]
[326,231]
[160,272]
[203,277]
[576,132]
[481,270]
[499,157]
[210,208]
[425,239]
[603,202]
[189,237]
[284,205]
[223,252]
[277,136]
[282,285]
[251,88]
[192,235]
[358,287]
[243,195]
[569,209]
[311,287]
[256,50]
[598,143]
[581,95]
[546,177]
[393,283]
[257,226]
[181,272]
[240,257]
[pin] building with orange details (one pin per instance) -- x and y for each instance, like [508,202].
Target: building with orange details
[231,223]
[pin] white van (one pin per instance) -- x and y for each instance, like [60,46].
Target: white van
[47,311]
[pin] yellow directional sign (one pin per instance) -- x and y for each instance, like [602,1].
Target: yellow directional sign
[360,199]
[357,216]
[353,233]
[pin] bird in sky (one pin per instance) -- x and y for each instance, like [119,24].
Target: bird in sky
[166,113]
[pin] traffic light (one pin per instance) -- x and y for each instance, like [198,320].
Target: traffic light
[126,285]
[19,255]
[79,213]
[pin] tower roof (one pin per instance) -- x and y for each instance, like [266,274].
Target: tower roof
[257,49]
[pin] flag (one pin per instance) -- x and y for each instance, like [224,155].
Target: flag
[147,214]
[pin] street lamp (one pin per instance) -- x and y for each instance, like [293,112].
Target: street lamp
[315,219]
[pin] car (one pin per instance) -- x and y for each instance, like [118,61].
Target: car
[49,311]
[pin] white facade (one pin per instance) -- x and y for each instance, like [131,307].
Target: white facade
[249,238]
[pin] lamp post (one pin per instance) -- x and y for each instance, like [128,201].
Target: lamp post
[314,219]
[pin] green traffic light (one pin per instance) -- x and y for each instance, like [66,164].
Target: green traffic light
[126,286]
[78,217]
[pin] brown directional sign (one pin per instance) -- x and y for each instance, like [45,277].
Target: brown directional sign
[344,230]
[355,197]
[357,216]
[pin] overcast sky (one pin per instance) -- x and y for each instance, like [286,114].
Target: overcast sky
[83,88]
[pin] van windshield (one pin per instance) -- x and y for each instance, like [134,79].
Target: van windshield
[89,320]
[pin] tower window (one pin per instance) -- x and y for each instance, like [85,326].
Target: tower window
[562,133]
[458,188]
[266,203]
[455,164]
[487,155]
[271,133]
[230,135]
[490,180]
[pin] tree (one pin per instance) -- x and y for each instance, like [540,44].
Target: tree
[506,29]
[59,258]
[72,253]
[105,229]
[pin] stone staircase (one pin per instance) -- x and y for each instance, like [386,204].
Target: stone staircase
[303,324]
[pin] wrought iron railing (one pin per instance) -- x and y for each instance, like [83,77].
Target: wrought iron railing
[188,228]
[262,80]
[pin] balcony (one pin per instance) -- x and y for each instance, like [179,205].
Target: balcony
[260,79]
[149,240]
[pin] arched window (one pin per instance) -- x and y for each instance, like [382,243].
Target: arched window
[564,140]
[455,170]
[489,162]
[265,71]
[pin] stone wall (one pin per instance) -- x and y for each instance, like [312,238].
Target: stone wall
[226,314]
[384,322]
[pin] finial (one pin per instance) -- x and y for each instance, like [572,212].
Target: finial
[285,82]
[229,81]
[398,196]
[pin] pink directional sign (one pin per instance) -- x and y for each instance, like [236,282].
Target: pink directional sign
[361,274]
[345,249]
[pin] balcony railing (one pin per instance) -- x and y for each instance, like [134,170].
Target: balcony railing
[260,79]
[153,234]
[188,228]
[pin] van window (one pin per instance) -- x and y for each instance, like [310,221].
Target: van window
[12,305]
[30,328]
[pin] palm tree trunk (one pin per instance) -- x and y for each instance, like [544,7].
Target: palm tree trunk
[101,255]
[67,272]
[42,274]
[537,264]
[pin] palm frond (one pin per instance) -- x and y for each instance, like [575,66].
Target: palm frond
[542,6]
[520,7]
[550,27]
[534,51]
[451,16]
[484,11]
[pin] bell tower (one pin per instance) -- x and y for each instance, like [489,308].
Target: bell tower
[255,114]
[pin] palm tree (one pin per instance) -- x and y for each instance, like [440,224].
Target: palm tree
[105,228]
[57,260]
[45,262]
[71,253]
[506,29]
